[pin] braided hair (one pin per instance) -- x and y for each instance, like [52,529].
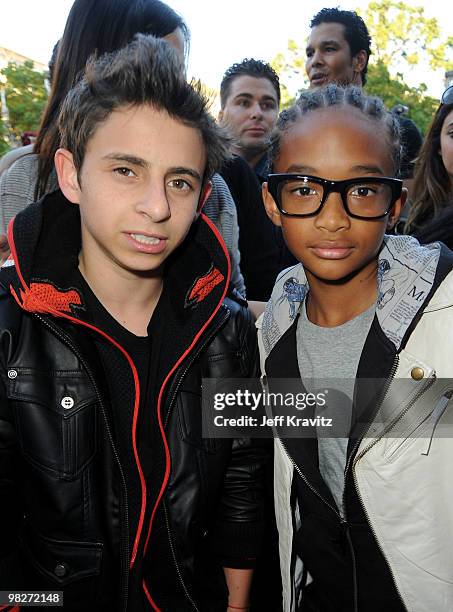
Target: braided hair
[335,95]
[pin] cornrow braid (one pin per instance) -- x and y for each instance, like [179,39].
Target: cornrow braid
[335,95]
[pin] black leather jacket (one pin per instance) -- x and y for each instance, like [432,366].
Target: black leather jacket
[64,516]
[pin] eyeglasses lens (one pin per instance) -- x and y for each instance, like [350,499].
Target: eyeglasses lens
[301,197]
[369,199]
[304,197]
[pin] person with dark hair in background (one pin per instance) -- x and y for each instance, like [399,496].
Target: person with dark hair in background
[249,100]
[338,50]
[82,37]
[115,304]
[249,103]
[97,27]
[430,216]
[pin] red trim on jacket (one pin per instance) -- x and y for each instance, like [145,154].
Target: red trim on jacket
[203,286]
[28,300]
[159,401]
[33,297]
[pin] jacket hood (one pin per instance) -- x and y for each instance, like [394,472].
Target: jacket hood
[45,241]
[408,275]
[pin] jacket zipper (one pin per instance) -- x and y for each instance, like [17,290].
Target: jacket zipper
[310,486]
[173,554]
[124,540]
[200,347]
[342,517]
[427,384]
[296,467]
[348,464]
[194,355]
[380,402]
[305,479]
[417,396]
[316,492]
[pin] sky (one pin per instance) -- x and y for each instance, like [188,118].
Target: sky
[222,32]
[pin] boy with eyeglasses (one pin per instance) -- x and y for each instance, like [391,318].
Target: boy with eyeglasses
[363,497]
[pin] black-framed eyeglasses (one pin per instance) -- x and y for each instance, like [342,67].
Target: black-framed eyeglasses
[298,195]
[447,96]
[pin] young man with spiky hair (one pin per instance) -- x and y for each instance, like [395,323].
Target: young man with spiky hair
[113,306]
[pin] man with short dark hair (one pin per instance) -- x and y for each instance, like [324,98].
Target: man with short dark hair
[250,99]
[338,50]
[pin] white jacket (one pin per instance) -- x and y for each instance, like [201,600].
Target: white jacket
[403,467]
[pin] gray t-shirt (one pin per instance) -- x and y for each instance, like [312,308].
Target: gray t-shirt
[328,358]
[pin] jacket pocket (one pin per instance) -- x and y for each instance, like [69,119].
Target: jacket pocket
[56,419]
[62,562]
[422,431]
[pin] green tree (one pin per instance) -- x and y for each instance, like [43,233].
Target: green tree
[403,37]
[395,91]
[4,144]
[26,96]
[290,67]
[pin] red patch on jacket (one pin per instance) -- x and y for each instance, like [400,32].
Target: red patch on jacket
[203,287]
[45,298]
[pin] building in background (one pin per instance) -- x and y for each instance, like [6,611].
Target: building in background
[12,135]
[7,55]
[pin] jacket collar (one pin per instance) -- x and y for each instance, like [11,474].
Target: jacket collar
[45,241]
[408,276]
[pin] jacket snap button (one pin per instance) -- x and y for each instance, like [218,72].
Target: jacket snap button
[60,570]
[67,403]
[417,373]
[12,374]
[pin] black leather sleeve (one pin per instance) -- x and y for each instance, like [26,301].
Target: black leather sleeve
[239,527]
[10,505]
